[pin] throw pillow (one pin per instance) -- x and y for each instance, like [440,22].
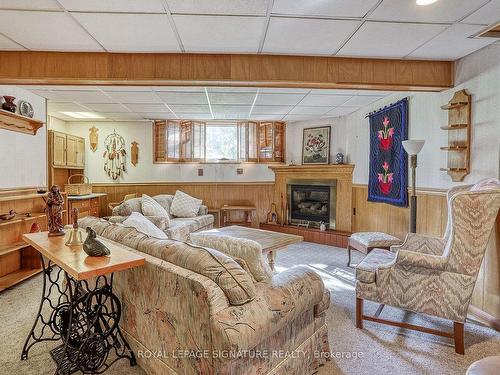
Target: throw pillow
[143,225]
[488,183]
[151,207]
[184,205]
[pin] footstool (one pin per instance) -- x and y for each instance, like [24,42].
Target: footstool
[485,366]
[367,241]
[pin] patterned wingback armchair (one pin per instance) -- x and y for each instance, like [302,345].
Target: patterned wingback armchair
[430,275]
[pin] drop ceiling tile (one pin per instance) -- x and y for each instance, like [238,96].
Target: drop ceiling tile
[124,88]
[361,100]
[337,8]
[231,109]
[43,31]
[389,40]
[130,32]
[107,107]
[341,111]
[486,15]
[441,11]
[122,116]
[310,110]
[81,96]
[234,7]
[193,108]
[452,44]
[231,98]
[71,88]
[148,97]
[232,89]
[158,116]
[65,107]
[271,109]
[143,107]
[299,117]
[231,116]
[178,89]
[194,116]
[183,97]
[219,33]
[325,100]
[334,92]
[46,94]
[266,117]
[30,4]
[8,45]
[283,90]
[153,6]
[278,99]
[306,36]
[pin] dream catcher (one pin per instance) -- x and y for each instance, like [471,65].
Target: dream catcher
[115,155]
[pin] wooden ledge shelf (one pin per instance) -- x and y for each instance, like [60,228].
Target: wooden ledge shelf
[6,249]
[22,218]
[455,127]
[454,148]
[17,123]
[16,277]
[454,105]
[21,197]
[453,169]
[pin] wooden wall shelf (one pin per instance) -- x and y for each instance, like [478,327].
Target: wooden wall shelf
[17,123]
[22,218]
[459,120]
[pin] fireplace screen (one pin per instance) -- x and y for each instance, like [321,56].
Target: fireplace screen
[310,203]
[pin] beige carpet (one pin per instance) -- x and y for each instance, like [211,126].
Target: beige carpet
[382,349]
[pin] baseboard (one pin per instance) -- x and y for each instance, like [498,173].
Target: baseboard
[484,317]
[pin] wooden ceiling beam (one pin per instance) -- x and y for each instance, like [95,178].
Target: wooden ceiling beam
[95,68]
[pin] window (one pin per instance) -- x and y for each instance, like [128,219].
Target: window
[196,141]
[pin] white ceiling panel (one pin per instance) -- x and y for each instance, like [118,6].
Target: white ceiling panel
[219,33]
[486,15]
[190,108]
[231,109]
[131,32]
[361,100]
[236,7]
[46,31]
[231,98]
[394,40]
[409,11]
[178,89]
[124,88]
[453,43]
[65,107]
[271,109]
[134,96]
[30,4]
[337,8]
[81,96]
[194,116]
[299,117]
[325,100]
[341,111]
[122,116]
[158,116]
[8,45]
[309,110]
[306,36]
[183,97]
[231,89]
[279,99]
[107,107]
[266,117]
[143,107]
[283,90]
[153,6]
[46,94]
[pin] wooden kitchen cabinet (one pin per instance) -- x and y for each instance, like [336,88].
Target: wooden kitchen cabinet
[67,151]
[58,145]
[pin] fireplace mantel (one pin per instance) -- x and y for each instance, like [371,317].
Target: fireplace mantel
[340,172]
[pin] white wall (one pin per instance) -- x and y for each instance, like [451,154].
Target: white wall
[479,73]
[23,156]
[146,171]
[53,123]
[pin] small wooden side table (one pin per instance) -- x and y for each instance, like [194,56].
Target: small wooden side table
[249,215]
[82,313]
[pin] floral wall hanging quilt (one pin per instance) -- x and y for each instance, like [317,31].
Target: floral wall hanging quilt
[388,179]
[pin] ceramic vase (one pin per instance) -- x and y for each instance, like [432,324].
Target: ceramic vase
[9,104]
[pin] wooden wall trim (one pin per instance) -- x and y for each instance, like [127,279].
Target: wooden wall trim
[180,183]
[96,68]
[424,190]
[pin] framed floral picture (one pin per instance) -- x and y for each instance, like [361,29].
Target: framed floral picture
[316,145]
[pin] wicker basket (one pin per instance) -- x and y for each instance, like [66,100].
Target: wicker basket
[78,189]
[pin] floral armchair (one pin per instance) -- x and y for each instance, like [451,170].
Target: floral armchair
[430,275]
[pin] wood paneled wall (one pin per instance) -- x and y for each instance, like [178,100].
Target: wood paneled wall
[91,68]
[431,219]
[213,194]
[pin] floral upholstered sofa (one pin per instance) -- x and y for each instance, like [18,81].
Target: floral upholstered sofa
[178,229]
[196,310]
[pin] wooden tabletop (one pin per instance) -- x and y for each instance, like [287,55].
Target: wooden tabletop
[267,239]
[76,262]
[238,208]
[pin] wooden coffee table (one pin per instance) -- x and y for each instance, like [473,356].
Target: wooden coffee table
[271,242]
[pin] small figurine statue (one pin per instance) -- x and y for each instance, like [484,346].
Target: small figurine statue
[322,226]
[339,158]
[93,247]
[55,203]
[75,236]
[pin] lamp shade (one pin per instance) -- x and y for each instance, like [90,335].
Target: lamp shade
[413,146]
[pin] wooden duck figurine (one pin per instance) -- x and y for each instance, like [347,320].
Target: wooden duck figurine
[93,247]
[8,216]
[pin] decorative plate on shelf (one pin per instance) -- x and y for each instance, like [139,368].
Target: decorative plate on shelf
[26,109]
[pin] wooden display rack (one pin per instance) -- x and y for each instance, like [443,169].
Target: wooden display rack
[18,123]
[459,135]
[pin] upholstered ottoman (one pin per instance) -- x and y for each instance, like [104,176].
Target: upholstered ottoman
[367,241]
[485,366]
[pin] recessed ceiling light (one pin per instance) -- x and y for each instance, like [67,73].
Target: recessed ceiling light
[82,115]
[425,2]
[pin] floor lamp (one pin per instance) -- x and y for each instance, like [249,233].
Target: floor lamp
[412,148]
